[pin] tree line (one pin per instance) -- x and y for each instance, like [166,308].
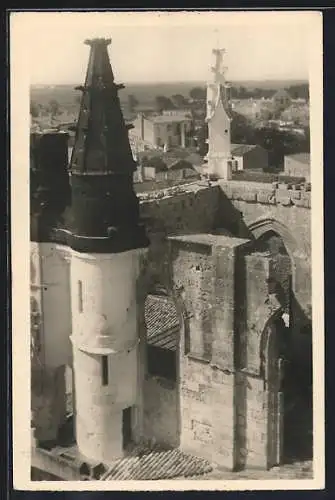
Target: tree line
[53,108]
[196,96]
[278,143]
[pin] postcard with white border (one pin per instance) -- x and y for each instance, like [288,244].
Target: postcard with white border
[167,250]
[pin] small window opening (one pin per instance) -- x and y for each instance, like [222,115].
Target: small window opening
[126,427]
[104,370]
[80,296]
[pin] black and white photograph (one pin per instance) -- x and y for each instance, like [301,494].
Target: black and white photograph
[167,228]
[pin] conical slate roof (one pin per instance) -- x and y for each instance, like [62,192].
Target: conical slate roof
[101,143]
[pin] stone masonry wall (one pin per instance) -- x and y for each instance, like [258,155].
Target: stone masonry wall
[260,382]
[225,397]
[266,207]
[229,354]
[207,348]
[287,211]
[207,412]
[161,411]
[245,209]
[186,210]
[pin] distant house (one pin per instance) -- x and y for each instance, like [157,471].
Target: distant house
[298,113]
[151,166]
[298,165]
[250,108]
[281,100]
[180,168]
[160,166]
[165,130]
[196,160]
[249,157]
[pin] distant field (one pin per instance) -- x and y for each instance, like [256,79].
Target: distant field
[145,93]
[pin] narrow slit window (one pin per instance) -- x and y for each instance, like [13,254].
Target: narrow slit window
[80,296]
[104,370]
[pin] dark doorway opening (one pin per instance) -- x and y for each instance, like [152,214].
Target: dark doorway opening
[298,399]
[296,350]
[126,427]
[162,362]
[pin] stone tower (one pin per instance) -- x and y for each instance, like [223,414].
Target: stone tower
[219,162]
[107,243]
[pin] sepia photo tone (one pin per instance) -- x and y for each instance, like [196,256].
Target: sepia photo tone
[171,182]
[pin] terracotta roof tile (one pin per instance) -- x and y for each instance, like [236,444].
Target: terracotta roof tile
[301,157]
[157,464]
[170,118]
[242,149]
[162,321]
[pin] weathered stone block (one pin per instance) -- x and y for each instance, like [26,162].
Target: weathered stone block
[265,196]
[189,384]
[197,396]
[283,197]
[48,402]
[224,435]
[228,191]
[221,400]
[237,193]
[187,442]
[202,432]
[256,460]
[295,195]
[298,202]
[221,378]
[249,196]
[306,196]
[225,459]
[224,311]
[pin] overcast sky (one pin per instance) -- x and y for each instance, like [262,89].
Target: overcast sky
[166,46]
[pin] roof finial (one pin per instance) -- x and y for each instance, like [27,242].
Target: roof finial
[218,69]
[98,41]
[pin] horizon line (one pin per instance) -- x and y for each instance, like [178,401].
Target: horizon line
[146,82]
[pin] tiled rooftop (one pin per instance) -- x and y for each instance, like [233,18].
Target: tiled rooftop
[170,158]
[156,465]
[162,321]
[241,149]
[301,157]
[169,118]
